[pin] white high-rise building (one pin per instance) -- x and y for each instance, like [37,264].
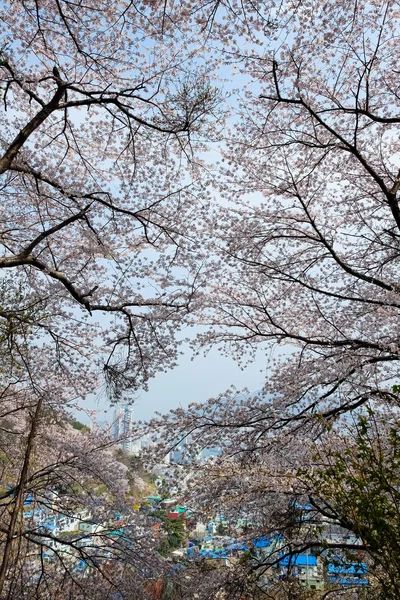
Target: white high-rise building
[123,425]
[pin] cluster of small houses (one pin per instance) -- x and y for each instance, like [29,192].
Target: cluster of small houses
[64,534]
[207,541]
[314,571]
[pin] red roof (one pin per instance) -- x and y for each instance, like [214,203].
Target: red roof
[175,515]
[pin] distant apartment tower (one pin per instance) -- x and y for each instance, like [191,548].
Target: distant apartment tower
[123,425]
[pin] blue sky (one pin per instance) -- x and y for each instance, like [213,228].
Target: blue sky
[191,381]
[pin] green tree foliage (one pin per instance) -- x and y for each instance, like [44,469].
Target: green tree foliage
[357,484]
[221,529]
[79,426]
[174,529]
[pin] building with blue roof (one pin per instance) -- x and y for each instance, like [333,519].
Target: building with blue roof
[299,560]
[348,568]
[348,573]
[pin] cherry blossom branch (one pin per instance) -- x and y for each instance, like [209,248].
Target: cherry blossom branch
[15,146]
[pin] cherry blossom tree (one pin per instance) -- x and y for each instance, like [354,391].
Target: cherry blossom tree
[105,109]
[53,479]
[308,242]
[308,253]
[103,112]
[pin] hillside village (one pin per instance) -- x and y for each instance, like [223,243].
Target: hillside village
[183,539]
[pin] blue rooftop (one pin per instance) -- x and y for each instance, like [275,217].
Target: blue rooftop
[264,541]
[349,569]
[49,525]
[299,560]
[237,546]
[218,553]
